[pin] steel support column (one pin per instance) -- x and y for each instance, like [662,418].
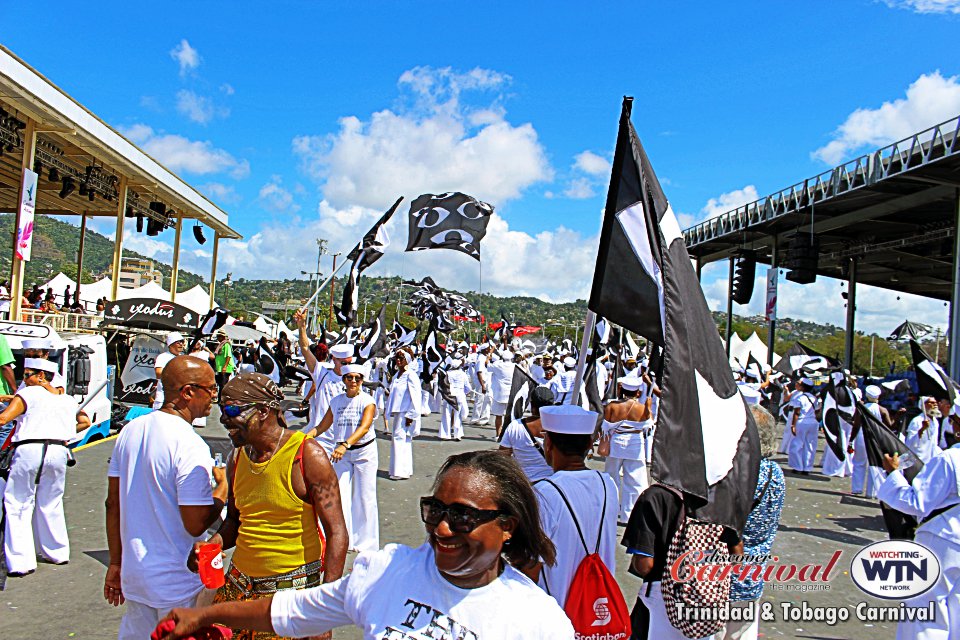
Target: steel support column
[772,326]
[83,235]
[213,269]
[952,333]
[118,238]
[699,264]
[851,312]
[729,331]
[175,270]
[16,264]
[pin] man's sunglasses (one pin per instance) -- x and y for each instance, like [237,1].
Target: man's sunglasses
[460,518]
[235,410]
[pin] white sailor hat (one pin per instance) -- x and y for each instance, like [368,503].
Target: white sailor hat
[36,343]
[569,419]
[630,383]
[570,362]
[507,355]
[807,381]
[362,369]
[342,351]
[456,363]
[174,337]
[872,391]
[39,364]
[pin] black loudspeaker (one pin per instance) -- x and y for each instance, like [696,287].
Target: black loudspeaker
[745,272]
[803,254]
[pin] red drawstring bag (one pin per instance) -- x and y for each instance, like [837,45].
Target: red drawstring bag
[595,604]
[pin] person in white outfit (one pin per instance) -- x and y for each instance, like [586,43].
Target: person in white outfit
[403,406]
[451,421]
[933,498]
[175,346]
[625,426]
[562,383]
[355,457]
[866,479]
[921,434]
[33,498]
[523,438]
[805,427]
[501,379]
[480,379]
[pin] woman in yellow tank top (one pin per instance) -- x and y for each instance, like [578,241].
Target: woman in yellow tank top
[281,483]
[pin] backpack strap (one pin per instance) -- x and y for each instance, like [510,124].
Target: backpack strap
[572,514]
[603,512]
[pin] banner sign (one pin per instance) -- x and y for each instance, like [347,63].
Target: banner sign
[771,306]
[138,380]
[149,313]
[28,205]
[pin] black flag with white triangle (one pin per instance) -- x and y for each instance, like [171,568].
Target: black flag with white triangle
[932,380]
[644,282]
[370,249]
[374,337]
[839,405]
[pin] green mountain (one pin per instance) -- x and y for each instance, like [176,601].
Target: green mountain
[55,246]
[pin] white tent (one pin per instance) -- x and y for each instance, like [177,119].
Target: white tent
[737,359]
[58,284]
[195,299]
[741,350]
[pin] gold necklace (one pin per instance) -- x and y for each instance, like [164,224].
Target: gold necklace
[276,447]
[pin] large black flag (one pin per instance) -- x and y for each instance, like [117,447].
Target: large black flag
[448,221]
[932,380]
[644,281]
[838,409]
[374,336]
[881,440]
[521,386]
[370,249]
[801,358]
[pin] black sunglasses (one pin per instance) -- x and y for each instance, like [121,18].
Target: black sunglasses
[235,410]
[461,518]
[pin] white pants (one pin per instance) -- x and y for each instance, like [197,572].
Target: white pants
[740,630]
[787,438]
[426,402]
[832,465]
[451,420]
[139,620]
[803,447]
[660,627]
[633,483]
[401,447]
[863,473]
[30,505]
[357,472]
[481,407]
[946,595]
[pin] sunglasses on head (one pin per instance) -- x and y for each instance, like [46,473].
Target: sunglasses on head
[460,518]
[235,410]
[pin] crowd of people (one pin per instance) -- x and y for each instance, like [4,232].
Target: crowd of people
[507,529]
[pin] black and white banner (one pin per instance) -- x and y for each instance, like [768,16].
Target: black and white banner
[932,380]
[644,282]
[448,221]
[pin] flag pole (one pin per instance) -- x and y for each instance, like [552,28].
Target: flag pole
[588,325]
[322,286]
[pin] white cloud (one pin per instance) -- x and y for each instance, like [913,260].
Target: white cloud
[221,193]
[930,100]
[878,310]
[728,201]
[227,89]
[180,154]
[186,56]
[433,146]
[276,198]
[926,6]
[199,108]
[592,164]
[579,188]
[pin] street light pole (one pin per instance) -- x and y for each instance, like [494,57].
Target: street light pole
[226,289]
[333,287]
[321,249]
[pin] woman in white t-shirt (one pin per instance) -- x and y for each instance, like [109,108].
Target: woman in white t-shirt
[355,458]
[523,438]
[34,493]
[481,521]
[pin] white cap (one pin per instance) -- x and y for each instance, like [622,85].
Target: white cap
[362,369]
[807,381]
[342,351]
[36,343]
[174,337]
[570,362]
[630,383]
[506,355]
[569,419]
[39,364]
[456,363]
[872,391]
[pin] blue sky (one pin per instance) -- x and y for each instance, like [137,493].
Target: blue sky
[306,120]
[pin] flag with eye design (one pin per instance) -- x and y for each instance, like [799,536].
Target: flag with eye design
[448,221]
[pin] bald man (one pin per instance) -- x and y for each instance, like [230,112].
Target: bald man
[159,500]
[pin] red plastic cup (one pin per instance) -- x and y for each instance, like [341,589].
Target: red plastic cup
[210,562]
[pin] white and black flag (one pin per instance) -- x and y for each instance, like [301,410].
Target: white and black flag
[370,249]
[448,221]
[644,282]
[839,405]
[373,337]
[932,380]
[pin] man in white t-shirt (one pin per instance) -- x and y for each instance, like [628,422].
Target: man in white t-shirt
[480,380]
[175,346]
[159,501]
[578,505]
[501,378]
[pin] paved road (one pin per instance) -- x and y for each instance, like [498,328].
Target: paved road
[67,602]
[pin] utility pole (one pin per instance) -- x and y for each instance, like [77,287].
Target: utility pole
[333,287]
[321,249]
[226,289]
